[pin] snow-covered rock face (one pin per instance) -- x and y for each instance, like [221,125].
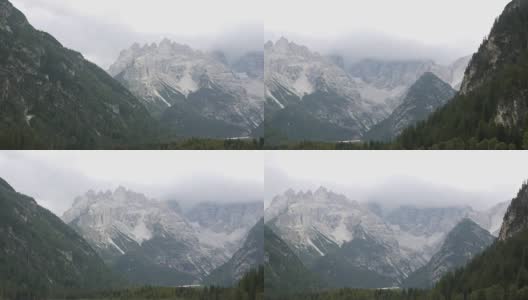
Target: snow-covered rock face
[167,74]
[106,216]
[303,72]
[330,214]
[315,223]
[118,222]
[178,65]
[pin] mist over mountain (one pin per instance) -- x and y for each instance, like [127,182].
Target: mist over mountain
[351,244]
[187,178]
[356,46]
[78,29]
[156,242]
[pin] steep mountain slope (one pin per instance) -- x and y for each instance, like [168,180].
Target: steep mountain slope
[192,92]
[51,97]
[516,218]
[322,227]
[303,87]
[490,110]
[249,257]
[284,273]
[150,242]
[425,96]
[41,255]
[359,263]
[463,243]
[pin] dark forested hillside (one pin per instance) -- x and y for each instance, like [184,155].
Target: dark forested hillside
[51,97]
[491,110]
[40,255]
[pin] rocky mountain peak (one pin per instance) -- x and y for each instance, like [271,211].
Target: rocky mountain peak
[192,92]
[284,47]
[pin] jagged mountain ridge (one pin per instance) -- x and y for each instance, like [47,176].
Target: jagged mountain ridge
[294,74]
[53,98]
[41,252]
[327,232]
[187,88]
[140,236]
[314,97]
[322,223]
[463,242]
[425,96]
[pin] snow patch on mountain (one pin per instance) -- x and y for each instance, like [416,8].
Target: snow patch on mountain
[117,222]
[167,74]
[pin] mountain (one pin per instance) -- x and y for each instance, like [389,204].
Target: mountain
[53,98]
[310,96]
[227,224]
[488,112]
[516,218]
[153,242]
[284,273]
[359,263]
[41,255]
[500,271]
[429,221]
[463,243]
[194,93]
[307,94]
[424,97]
[323,228]
[249,257]
[425,229]
[366,245]
[398,76]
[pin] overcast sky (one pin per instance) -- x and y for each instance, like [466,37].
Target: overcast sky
[55,178]
[430,179]
[403,28]
[100,29]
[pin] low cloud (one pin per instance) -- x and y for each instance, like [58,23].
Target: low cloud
[55,179]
